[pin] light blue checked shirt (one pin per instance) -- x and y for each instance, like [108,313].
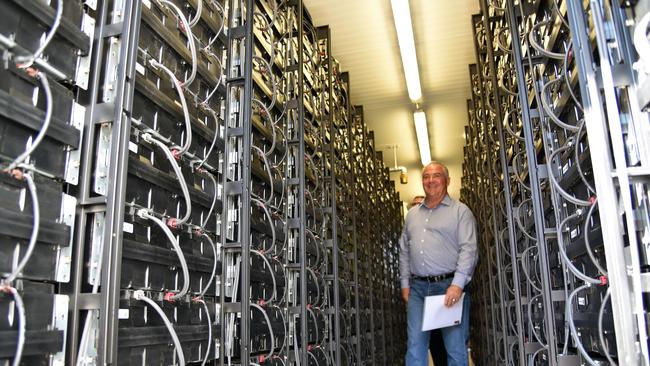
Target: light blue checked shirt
[437,241]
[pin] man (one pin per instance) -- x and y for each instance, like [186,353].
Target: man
[436,343]
[438,253]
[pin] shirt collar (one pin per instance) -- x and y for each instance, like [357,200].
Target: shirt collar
[447,201]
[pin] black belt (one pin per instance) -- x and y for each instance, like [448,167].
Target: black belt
[434,278]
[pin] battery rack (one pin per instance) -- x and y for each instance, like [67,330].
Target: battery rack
[213,197]
[558,138]
[46,52]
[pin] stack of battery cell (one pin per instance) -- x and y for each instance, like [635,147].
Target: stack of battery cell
[225,191]
[170,253]
[544,141]
[46,52]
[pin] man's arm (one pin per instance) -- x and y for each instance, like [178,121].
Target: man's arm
[468,254]
[404,265]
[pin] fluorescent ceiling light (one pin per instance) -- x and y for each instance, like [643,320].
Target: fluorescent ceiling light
[404,27]
[423,136]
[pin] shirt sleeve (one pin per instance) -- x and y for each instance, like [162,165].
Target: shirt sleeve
[404,260]
[468,255]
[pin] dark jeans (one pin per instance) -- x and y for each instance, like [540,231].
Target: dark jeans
[437,348]
[418,341]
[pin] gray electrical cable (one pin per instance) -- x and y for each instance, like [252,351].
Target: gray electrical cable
[601,338]
[509,129]
[313,357]
[268,264]
[231,321]
[46,122]
[214,264]
[537,46]
[179,174]
[27,61]
[284,324]
[186,114]
[556,184]
[177,249]
[585,231]
[572,326]
[267,167]
[313,315]
[207,315]
[531,361]
[566,76]
[525,268]
[313,274]
[36,224]
[139,295]
[576,155]
[265,112]
[530,320]
[221,26]
[268,323]
[214,138]
[190,39]
[20,307]
[197,16]
[214,198]
[640,39]
[515,162]
[548,108]
[268,216]
[563,254]
[518,220]
[316,243]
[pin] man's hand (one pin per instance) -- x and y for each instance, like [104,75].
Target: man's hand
[405,295]
[453,295]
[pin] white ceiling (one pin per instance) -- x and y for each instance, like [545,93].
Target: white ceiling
[365,43]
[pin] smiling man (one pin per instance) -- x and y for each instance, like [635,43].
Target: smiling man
[438,254]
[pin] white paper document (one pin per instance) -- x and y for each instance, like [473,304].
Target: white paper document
[437,315]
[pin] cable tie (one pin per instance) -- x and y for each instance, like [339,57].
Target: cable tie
[592,200]
[261,302]
[310,347]
[176,154]
[603,280]
[169,296]
[261,359]
[309,306]
[172,222]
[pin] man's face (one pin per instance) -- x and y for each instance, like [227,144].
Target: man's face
[434,181]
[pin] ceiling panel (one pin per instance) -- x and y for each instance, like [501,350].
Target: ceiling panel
[365,43]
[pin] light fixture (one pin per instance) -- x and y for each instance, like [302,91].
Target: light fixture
[422,134]
[404,27]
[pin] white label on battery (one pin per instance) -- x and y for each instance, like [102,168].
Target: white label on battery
[582,301]
[574,233]
[565,168]
[123,314]
[146,3]
[128,227]
[139,68]
[133,147]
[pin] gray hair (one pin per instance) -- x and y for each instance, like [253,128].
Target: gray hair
[444,167]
